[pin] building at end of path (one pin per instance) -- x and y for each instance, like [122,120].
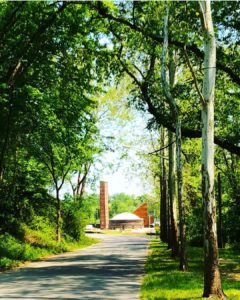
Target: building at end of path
[126,220]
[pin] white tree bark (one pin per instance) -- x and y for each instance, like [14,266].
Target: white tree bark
[172,195]
[212,280]
[176,116]
[181,203]
[163,189]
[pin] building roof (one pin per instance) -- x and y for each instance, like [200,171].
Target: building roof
[125,216]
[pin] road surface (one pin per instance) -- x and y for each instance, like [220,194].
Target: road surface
[111,269]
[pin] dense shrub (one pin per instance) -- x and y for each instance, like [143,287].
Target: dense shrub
[33,242]
[6,263]
[13,249]
[74,220]
[10,247]
[39,232]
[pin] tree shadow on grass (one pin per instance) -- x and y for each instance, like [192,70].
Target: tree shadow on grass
[164,280]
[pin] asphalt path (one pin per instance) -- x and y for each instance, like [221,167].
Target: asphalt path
[111,269]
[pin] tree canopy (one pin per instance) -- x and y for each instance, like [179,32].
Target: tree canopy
[62,64]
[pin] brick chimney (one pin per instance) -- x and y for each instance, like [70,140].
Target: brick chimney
[104,214]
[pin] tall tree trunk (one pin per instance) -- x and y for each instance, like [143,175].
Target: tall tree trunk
[58,216]
[181,203]
[169,233]
[212,280]
[176,116]
[220,226]
[161,192]
[163,204]
[172,195]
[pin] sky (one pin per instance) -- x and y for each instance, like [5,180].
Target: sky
[123,178]
[123,130]
[121,167]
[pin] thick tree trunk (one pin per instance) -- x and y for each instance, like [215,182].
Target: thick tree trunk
[172,195]
[163,187]
[220,225]
[212,280]
[176,117]
[181,204]
[58,216]
[169,232]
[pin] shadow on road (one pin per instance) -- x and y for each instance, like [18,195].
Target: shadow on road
[110,270]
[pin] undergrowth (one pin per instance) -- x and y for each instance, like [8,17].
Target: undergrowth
[32,244]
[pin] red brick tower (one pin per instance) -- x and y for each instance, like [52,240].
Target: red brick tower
[104,215]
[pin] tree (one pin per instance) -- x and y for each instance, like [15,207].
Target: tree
[163,191]
[176,116]
[124,203]
[142,30]
[172,195]
[212,281]
[78,187]
[220,223]
[47,111]
[60,143]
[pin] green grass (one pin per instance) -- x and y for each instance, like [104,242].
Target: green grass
[13,252]
[164,281]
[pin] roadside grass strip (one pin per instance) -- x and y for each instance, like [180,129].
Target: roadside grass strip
[14,252]
[163,280]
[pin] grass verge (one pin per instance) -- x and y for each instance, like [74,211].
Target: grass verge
[14,252]
[164,281]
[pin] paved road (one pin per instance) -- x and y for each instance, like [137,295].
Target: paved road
[109,270]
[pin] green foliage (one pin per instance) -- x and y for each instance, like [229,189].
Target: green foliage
[228,165]
[90,206]
[60,63]
[119,203]
[39,233]
[12,251]
[7,263]
[43,225]
[34,245]
[11,247]
[47,111]
[192,191]
[74,219]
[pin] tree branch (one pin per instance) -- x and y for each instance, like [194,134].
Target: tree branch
[160,117]
[11,20]
[18,67]
[125,68]
[159,150]
[193,75]
[186,132]
[99,7]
